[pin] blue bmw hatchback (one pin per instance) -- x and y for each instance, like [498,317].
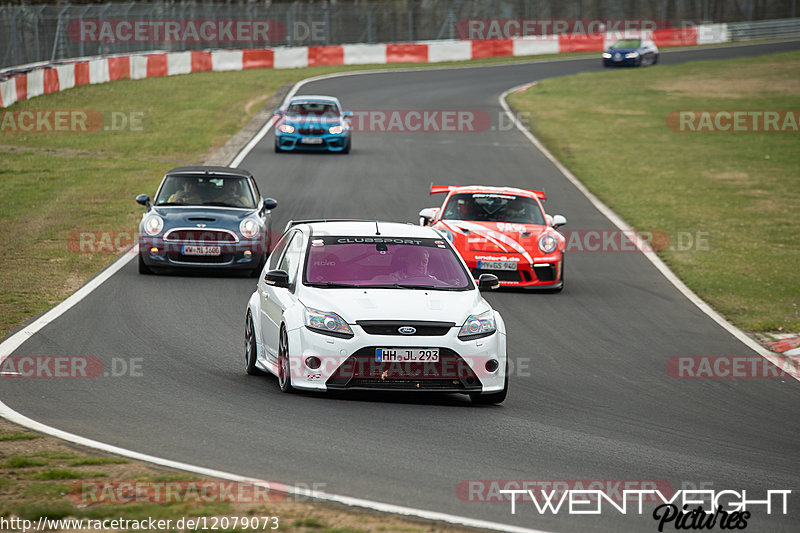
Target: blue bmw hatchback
[315,123]
[206,217]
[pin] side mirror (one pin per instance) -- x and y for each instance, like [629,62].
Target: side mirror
[488,282]
[347,115]
[277,278]
[270,203]
[279,112]
[427,215]
[559,220]
[144,200]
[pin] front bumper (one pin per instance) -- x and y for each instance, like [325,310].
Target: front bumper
[622,62]
[327,142]
[350,364]
[542,275]
[242,255]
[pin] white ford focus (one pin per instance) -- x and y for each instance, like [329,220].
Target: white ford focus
[364,305]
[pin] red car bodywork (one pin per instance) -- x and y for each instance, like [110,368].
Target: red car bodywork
[492,240]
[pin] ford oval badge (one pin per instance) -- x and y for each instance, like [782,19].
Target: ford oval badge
[407,330]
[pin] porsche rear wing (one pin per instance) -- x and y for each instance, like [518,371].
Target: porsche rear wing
[438,189]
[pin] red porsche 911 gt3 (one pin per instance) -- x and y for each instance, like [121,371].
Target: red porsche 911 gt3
[502,231]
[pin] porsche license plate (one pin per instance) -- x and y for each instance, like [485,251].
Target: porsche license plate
[311,140]
[497,265]
[406,355]
[200,250]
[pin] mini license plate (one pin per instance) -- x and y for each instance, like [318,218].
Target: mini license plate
[497,265]
[311,140]
[200,250]
[407,355]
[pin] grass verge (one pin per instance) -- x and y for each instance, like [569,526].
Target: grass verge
[738,191]
[99,486]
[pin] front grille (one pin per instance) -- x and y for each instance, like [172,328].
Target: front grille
[545,273]
[310,131]
[502,275]
[214,259]
[360,370]
[406,384]
[201,236]
[391,327]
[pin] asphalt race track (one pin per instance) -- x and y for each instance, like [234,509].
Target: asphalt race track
[590,398]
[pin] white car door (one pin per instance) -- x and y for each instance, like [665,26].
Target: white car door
[275,300]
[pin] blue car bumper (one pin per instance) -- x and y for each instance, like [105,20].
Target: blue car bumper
[327,142]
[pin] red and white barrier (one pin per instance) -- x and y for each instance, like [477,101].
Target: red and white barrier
[46,79]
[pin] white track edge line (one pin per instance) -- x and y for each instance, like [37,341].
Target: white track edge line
[22,420]
[15,341]
[617,220]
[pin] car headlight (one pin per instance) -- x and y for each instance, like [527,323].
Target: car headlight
[327,323]
[631,55]
[477,326]
[548,243]
[335,130]
[286,128]
[606,55]
[153,225]
[249,228]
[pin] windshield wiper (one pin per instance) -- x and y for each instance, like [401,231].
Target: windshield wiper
[169,203]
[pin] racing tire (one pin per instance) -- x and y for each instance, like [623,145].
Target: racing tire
[346,149]
[561,288]
[277,148]
[284,364]
[655,60]
[250,347]
[493,397]
[143,268]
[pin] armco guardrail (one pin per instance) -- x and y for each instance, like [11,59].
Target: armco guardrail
[47,78]
[765,29]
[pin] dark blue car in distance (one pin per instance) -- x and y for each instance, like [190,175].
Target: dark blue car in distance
[206,217]
[631,53]
[314,123]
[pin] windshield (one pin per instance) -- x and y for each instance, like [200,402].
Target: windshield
[494,208]
[626,44]
[384,262]
[206,190]
[317,109]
